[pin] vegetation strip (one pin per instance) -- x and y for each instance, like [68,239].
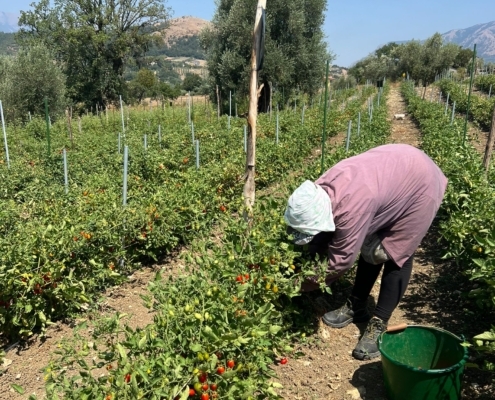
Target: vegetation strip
[468,210]
[216,331]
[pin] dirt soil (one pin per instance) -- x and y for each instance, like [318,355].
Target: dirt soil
[326,370]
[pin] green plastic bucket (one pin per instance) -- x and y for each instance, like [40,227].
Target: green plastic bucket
[422,363]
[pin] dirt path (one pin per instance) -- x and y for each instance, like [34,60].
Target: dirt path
[327,370]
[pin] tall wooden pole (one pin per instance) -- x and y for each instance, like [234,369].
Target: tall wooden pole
[489,144]
[254,91]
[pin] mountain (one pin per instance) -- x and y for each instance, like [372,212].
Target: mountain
[8,22]
[482,34]
[184,27]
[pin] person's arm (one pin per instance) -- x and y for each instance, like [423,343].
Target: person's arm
[345,245]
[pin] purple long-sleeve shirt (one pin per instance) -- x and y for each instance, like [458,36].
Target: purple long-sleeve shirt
[394,190]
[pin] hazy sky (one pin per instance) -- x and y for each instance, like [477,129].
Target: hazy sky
[356,28]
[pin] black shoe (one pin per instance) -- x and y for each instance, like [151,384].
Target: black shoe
[367,348]
[353,310]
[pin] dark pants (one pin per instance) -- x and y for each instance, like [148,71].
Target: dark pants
[393,286]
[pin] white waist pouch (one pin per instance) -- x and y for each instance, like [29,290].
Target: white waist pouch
[373,251]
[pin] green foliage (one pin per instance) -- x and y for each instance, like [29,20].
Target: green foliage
[295,51]
[480,109]
[8,46]
[144,85]
[27,79]
[94,40]
[484,82]
[468,209]
[57,251]
[187,46]
[463,59]
[233,300]
[424,61]
[192,82]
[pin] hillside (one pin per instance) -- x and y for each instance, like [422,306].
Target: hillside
[184,27]
[482,34]
[181,38]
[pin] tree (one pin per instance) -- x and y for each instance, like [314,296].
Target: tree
[27,79]
[94,39]
[192,82]
[144,85]
[424,61]
[463,58]
[294,51]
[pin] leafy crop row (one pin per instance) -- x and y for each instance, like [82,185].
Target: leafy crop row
[58,251]
[468,209]
[484,82]
[217,330]
[480,109]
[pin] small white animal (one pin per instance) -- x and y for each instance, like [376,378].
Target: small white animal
[399,116]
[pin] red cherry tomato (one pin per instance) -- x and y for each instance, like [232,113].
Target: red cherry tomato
[202,378]
[230,363]
[192,392]
[205,396]
[213,386]
[283,361]
[204,387]
[220,370]
[127,378]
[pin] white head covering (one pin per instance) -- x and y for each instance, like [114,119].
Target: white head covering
[309,212]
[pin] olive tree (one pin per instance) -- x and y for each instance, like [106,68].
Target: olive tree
[94,39]
[294,53]
[29,78]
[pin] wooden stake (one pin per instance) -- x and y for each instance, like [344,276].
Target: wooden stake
[489,144]
[254,92]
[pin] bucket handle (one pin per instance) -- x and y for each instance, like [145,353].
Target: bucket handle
[397,328]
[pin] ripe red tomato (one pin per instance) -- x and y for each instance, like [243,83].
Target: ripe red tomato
[230,363]
[192,392]
[127,378]
[202,377]
[220,370]
[238,278]
[283,361]
[205,396]
[204,387]
[213,386]
[246,276]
